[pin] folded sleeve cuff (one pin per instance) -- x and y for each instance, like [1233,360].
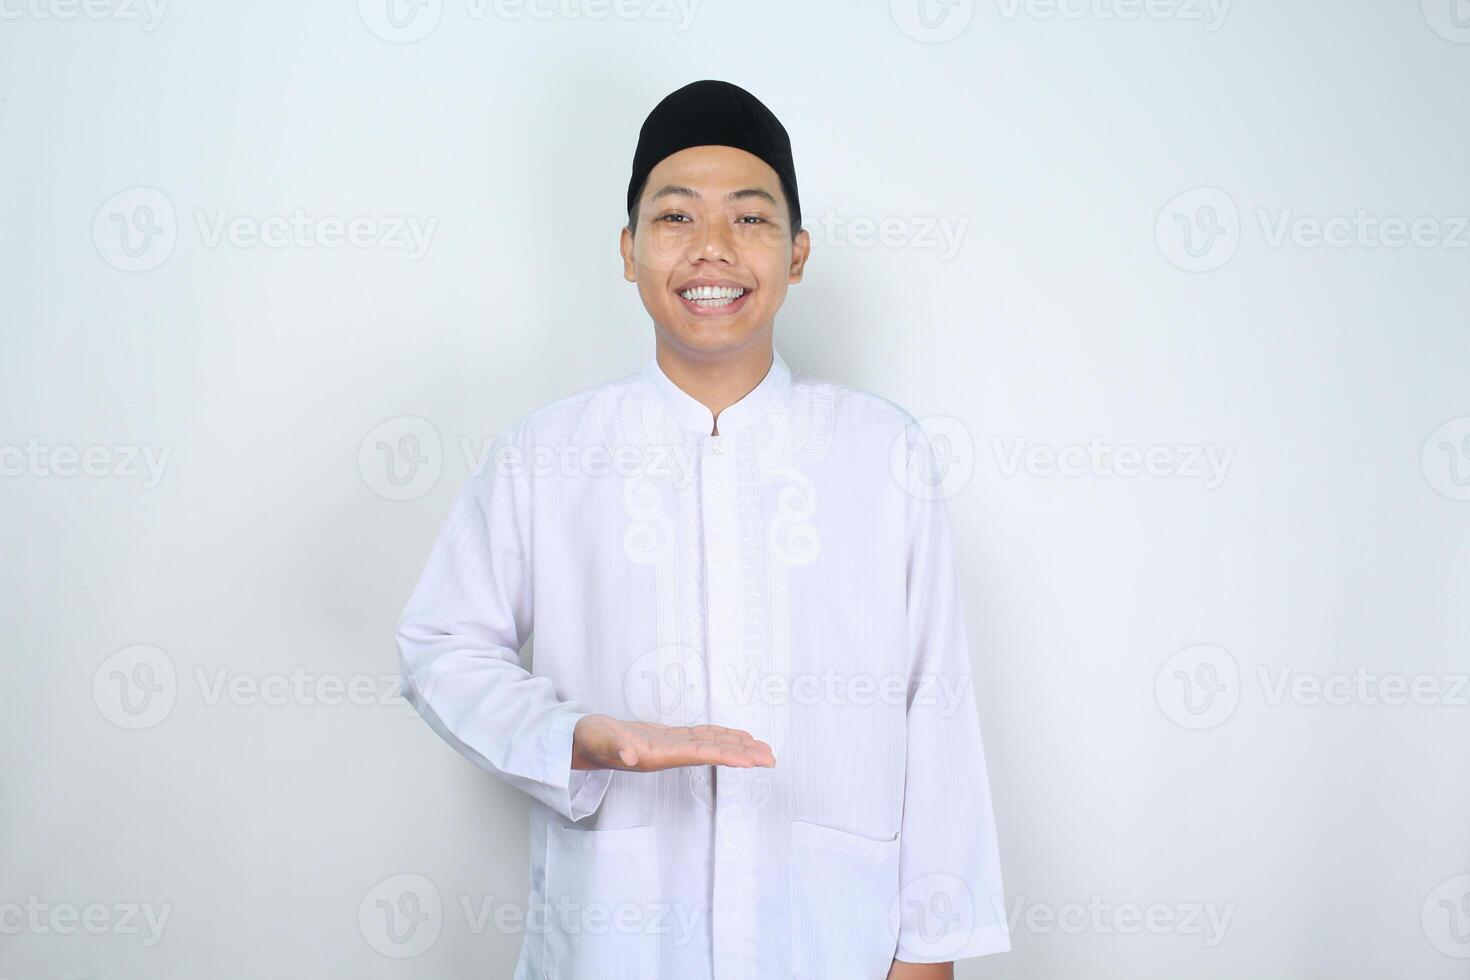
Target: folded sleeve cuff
[587,788]
[946,947]
[574,793]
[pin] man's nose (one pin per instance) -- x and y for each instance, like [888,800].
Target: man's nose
[715,241]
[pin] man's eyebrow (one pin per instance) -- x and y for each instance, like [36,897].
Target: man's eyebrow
[670,190]
[751,192]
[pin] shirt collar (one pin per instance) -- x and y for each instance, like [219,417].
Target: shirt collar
[694,415]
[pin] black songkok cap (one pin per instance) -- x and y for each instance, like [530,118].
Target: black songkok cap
[714,113]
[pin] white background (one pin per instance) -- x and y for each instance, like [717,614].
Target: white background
[1130,633]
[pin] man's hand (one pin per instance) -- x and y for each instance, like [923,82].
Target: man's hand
[920,971]
[604,742]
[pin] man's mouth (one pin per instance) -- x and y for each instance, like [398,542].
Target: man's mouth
[703,299]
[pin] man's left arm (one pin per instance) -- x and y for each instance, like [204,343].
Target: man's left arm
[951,903]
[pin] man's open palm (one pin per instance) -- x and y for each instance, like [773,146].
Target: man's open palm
[604,742]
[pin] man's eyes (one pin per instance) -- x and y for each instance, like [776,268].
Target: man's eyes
[676,218]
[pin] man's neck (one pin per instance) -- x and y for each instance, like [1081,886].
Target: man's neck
[717,383]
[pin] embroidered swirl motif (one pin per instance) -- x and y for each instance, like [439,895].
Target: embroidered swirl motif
[794,540]
[646,540]
[702,786]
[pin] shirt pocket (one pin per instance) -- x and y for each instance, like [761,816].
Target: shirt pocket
[842,888]
[602,898]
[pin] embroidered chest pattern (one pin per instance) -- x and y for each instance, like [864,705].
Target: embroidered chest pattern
[693,676]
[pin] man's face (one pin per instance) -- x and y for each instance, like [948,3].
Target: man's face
[713,220]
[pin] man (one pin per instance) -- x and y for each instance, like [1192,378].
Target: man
[749,733]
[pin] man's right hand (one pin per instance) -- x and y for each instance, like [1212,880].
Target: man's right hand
[604,742]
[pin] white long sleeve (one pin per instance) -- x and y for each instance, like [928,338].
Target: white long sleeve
[952,902]
[459,643]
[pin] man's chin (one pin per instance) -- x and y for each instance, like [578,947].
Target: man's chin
[709,335]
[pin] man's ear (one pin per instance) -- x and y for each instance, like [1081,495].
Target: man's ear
[625,245]
[801,248]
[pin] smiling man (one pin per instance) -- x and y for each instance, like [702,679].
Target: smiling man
[749,733]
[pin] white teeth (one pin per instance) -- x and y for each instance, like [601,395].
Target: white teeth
[713,297]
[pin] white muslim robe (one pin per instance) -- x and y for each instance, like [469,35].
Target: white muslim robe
[792,576]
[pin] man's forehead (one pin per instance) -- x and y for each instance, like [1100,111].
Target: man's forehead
[714,174]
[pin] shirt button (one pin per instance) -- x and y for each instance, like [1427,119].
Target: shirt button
[718,449]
